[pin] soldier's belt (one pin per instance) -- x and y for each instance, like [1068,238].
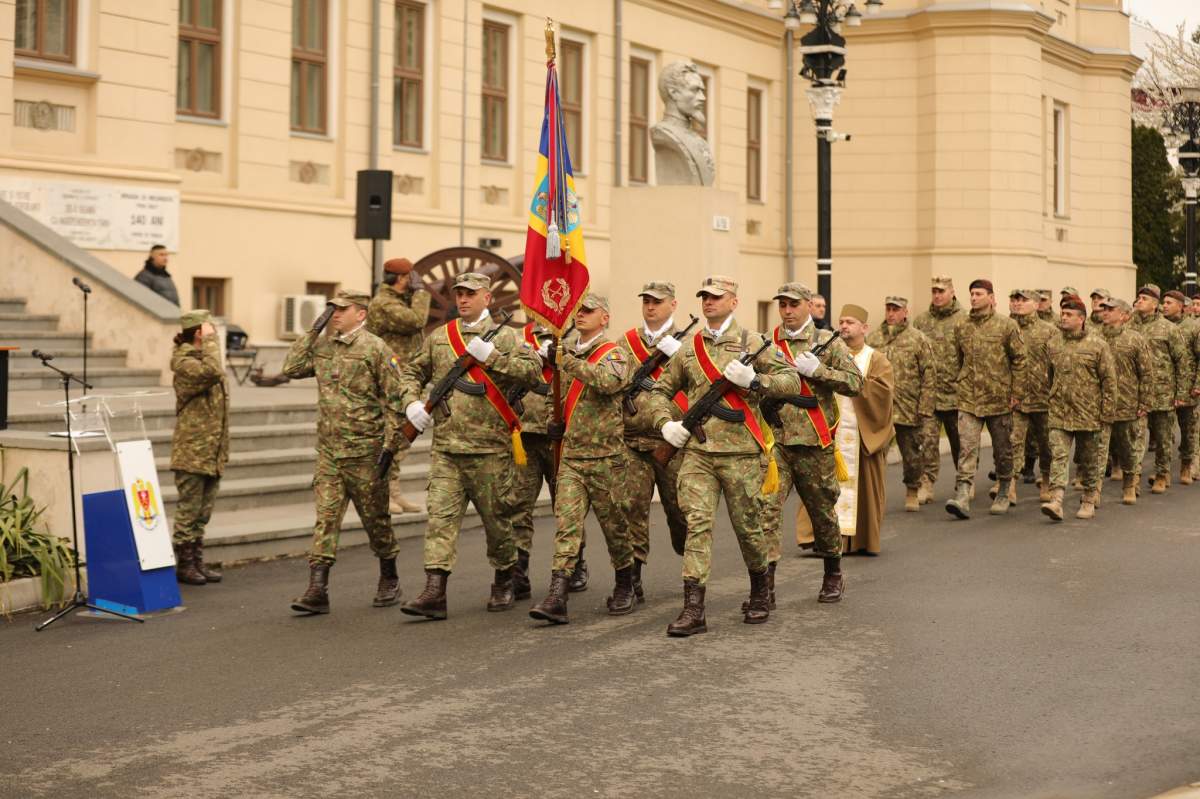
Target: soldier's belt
[469,387]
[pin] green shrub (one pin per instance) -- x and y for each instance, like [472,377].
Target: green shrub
[27,549]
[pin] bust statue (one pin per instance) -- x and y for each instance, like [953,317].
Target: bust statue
[681,156]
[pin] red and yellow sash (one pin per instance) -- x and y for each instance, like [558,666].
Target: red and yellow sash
[825,431]
[641,353]
[575,390]
[494,394]
[760,432]
[531,340]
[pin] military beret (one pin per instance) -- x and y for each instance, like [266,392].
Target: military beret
[344,299]
[1176,295]
[397,266]
[982,283]
[1151,290]
[1073,302]
[194,318]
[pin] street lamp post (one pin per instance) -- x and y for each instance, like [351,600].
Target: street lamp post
[823,50]
[1183,121]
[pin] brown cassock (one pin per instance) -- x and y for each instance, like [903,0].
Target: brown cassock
[873,407]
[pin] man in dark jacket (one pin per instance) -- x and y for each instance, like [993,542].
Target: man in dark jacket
[154,275]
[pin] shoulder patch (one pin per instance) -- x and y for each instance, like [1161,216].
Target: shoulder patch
[394,362]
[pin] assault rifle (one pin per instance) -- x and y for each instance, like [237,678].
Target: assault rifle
[771,406]
[641,378]
[441,392]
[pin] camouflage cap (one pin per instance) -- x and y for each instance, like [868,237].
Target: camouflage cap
[794,291]
[194,318]
[475,281]
[718,286]
[658,289]
[899,302]
[593,301]
[1123,305]
[942,282]
[1069,290]
[1101,293]
[344,299]
[1024,294]
[1110,302]
[1044,294]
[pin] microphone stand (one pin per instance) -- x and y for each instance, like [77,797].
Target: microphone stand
[85,291]
[79,600]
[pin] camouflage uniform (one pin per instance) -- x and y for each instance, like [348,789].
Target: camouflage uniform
[730,462]
[1130,401]
[472,447]
[991,360]
[911,356]
[1032,413]
[803,461]
[200,443]
[358,414]
[940,326]
[1189,329]
[1167,383]
[539,460]
[1082,385]
[644,473]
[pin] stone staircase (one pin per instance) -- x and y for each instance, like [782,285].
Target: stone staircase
[106,368]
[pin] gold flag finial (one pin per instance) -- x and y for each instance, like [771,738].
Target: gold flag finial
[550,39]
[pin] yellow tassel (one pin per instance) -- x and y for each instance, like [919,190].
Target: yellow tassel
[843,474]
[771,482]
[518,448]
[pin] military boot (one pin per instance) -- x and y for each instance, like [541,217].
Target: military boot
[315,599]
[387,593]
[1129,487]
[925,492]
[1160,484]
[639,592]
[185,565]
[579,575]
[770,589]
[502,597]
[994,490]
[960,506]
[431,602]
[1012,491]
[1185,473]
[1001,501]
[553,608]
[210,574]
[1044,489]
[758,605]
[911,503]
[1117,475]
[522,589]
[1087,506]
[833,584]
[622,600]
[1054,508]
[691,619]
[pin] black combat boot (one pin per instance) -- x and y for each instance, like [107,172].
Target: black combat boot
[622,600]
[185,565]
[771,584]
[691,619]
[210,574]
[315,600]
[758,605]
[521,586]
[833,586]
[638,591]
[388,591]
[579,576]
[431,602]
[502,597]
[553,608]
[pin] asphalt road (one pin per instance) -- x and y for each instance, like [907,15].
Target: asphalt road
[1000,657]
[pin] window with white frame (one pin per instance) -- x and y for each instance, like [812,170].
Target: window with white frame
[572,90]
[1061,155]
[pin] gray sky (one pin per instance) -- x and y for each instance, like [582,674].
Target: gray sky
[1166,14]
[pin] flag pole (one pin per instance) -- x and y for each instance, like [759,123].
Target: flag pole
[556,389]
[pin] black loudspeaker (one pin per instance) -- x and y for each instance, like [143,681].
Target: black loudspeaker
[373,211]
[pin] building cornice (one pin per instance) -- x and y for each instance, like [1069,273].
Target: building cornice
[727,15]
[1119,63]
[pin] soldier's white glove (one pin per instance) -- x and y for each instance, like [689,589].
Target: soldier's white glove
[740,374]
[807,364]
[668,345]
[479,349]
[417,414]
[676,434]
[543,350]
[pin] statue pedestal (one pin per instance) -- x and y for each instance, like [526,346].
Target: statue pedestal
[676,233]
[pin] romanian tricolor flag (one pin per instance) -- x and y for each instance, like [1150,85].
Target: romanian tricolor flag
[555,277]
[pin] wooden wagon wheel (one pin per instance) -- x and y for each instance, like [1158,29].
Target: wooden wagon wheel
[440,269]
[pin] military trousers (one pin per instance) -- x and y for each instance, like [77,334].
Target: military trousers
[910,441]
[1123,440]
[1161,425]
[1186,416]
[1086,443]
[813,473]
[932,445]
[197,495]
[704,477]
[538,468]
[1031,434]
[336,483]
[970,431]
[642,475]
[596,484]
[486,480]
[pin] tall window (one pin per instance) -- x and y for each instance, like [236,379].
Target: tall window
[754,144]
[46,29]
[639,120]
[495,91]
[1060,160]
[209,292]
[408,89]
[198,80]
[310,57]
[570,74]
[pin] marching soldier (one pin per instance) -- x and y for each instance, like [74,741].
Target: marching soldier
[911,356]
[1169,388]
[473,446]
[1130,401]
[734,458]
[592,471]
[1082,383]
[940,325]
[358,430]
[397,314]
[200,443]
[1030,421]
[658,333]
[990,356]
[1173,305]
[539,463]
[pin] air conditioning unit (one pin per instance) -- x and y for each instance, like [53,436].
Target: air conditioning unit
[297,312]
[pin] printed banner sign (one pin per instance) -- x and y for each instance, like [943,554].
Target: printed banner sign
[143,497]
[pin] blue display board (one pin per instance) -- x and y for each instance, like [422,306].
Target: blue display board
[114,571]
